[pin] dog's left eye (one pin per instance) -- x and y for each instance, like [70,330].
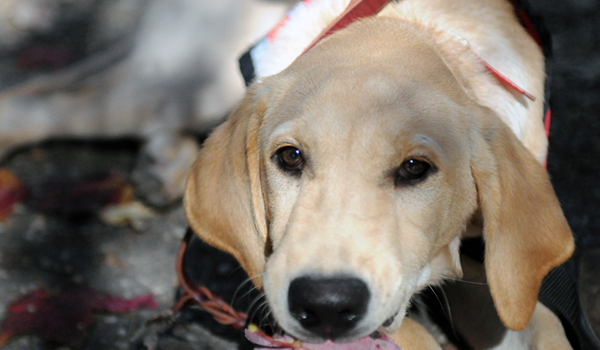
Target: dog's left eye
[290,159]
[412,171]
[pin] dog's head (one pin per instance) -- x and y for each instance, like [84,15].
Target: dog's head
[346,182]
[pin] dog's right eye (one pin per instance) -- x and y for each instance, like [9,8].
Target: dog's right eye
[413,171]
[290,159]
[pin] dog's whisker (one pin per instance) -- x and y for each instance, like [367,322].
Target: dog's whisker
[264,310]
[252,309]
[449,310]
[243,295]
[272,323]
[255,276]
[438,299]
[468,282]
[261,315]
[445,308]
[248,280]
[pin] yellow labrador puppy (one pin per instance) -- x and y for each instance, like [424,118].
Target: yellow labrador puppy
[344,184]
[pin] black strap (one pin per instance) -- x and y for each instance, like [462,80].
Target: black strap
[247,67]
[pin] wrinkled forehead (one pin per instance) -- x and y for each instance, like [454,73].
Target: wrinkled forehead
[359,90]
[365,114]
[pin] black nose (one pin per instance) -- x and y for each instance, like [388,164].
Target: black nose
[328,307]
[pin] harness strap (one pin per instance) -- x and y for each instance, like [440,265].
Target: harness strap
[200,295]
[356,10]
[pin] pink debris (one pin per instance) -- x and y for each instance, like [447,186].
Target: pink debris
[265,342]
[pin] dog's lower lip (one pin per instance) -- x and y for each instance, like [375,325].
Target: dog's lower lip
[390,320]
[375,335]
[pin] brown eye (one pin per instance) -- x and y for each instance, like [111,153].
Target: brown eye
[412,171]
[290,159]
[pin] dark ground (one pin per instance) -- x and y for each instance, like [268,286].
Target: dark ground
[41,249]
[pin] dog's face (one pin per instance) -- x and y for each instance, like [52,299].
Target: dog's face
[360,167]
[347,180]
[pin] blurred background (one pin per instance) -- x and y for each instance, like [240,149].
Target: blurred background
[103,105]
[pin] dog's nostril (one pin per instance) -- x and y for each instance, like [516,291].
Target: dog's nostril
[304,317]
[348,316]
[328,307]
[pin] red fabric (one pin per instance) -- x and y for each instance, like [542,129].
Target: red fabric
[357,9]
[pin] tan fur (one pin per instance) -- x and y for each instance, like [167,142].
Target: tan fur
[547,332]
[357,105]
[412,335]
[524,227]
[544,333]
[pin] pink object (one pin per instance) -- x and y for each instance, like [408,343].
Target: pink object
[265,342]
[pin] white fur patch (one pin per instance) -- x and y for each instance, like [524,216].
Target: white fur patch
[293,35]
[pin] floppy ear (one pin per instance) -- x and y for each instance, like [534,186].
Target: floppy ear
[525,231]
[224,202]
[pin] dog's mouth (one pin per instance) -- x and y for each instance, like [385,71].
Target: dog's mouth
[375,340]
